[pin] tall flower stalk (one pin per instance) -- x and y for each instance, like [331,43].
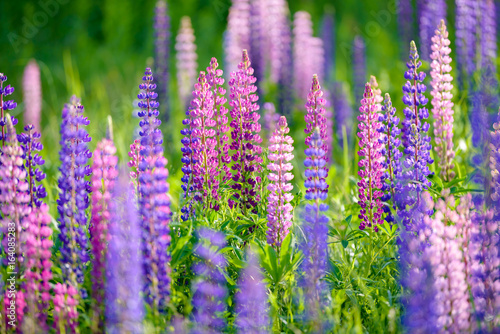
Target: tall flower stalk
[245,138]
[186,56]
[442,106]
[74,192]
[279,208]
[371,167]
[154,202]
[32,95]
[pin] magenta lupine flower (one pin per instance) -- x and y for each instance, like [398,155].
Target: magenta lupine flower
[315,117]
[102,182]
[371,163]
[237,35]
[14,196]
[5,106]
[161,27]
[442,106]
[38,267]
[32,92]
[245,137]
[449,269]
[65,308]
[186,59]
[279,209]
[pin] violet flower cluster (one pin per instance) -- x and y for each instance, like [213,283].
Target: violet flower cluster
[124,274]
[430,13]
[102,182]
[390,148]
[442,110]
[38,267]
[371,163]
[74,192]
[5,106]
[32,95]
[237,35]
[416,143]
[245,138]
[316,228]
[154,202]
[209,290]
[279,209]
[251,300]
[162,53]
[186,57]
[30,143]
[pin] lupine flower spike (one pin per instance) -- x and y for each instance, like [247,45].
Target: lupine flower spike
[279,208]
[32,93]
[102,182]
[495,165]
[186,59]
[5,106]
[162,53]
[237,35]
[209,291]
[441,101]
[74,193]
[390,149]
[371,164]
[154,202]
[65,308]
[315,117]
[245,138]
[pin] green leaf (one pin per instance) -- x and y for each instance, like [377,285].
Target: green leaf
[345,243]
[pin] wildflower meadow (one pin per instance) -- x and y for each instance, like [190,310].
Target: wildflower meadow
[249,166]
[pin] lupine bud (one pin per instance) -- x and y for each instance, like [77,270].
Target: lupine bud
[74,192]
[32,91]
[186,59]
[279,209]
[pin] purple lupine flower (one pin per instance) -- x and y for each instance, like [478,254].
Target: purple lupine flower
[245,137]
[124,275]
[209,289]
[102,182]
[308,52]
[270,119]
[441,101]
[416,143]
[251,300]
[343,111]
[495,165]
[406,20]
[328,38]
[430,13]
[216,82]
[162,53]
[315,229]
[65,308]
[237,35]
[391,165]
[186,57]
[154,202]
[279,208]
[5,106]
[315,117]
[371,163]
[278,39]
[359,67]
[258,37]
[32,93]
[488,33]
[30,143]
[465,27]
[38,267]
[416,275]
[449,269]
[73,198]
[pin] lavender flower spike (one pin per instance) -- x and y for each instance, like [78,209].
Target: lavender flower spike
[162,53]
[124,275]
[442,106]
[251,300]
[245,137]
[279,209]
[74,192]
[32,90]
[186,59]
[154,202]
[371,164]
[495,165]
[209,289]
[5,106]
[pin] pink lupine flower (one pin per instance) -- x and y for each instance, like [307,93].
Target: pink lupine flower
[279,208]
[186,59]
[371,167]
[65,311]
[32,91]
[442,107]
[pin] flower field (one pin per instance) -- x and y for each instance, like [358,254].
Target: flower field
[270,187]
